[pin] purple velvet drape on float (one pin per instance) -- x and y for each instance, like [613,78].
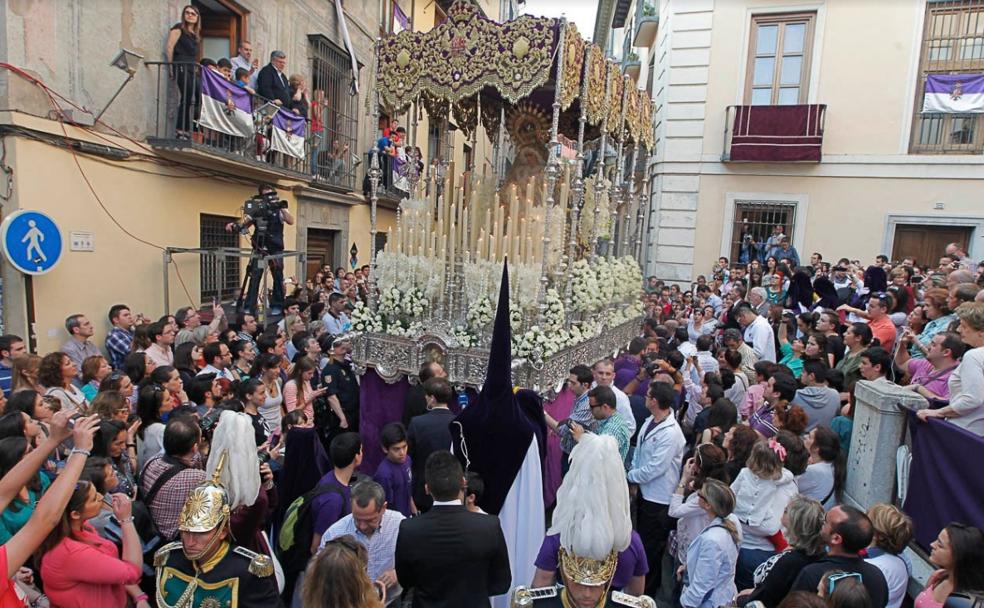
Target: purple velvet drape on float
[560,408]
[379,404]
[945,485]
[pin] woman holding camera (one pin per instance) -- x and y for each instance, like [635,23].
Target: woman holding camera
[82,569]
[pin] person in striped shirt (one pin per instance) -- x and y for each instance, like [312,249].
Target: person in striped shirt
[601,400]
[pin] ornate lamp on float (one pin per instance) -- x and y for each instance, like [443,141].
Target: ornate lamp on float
[530,79]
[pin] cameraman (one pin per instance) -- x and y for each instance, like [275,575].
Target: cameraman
[273,244]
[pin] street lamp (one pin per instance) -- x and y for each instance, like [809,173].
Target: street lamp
[128,61]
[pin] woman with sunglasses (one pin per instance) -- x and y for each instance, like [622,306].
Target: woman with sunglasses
[958,552]
[709,575]
[81,569]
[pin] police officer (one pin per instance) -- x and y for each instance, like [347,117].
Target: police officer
[342,392]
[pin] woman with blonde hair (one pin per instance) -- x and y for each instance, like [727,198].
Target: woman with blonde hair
[337,577]
[893,531]
[802,521]
[709,576]
[24,374]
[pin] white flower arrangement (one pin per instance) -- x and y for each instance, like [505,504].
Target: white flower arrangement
[480,314]
[465,338]
[401,308]
[605,278]
[627,277]
[365,320]
[536,345]
[584,286]
[554,316]
[408,331]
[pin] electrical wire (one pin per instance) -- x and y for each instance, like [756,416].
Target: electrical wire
[58,108]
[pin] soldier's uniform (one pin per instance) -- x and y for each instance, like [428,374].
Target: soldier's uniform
[596,468]
[233,577]
[221,575]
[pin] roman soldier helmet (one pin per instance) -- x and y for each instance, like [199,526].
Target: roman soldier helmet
[207,506]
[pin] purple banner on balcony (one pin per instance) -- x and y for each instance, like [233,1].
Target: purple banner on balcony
[226,108]
[954,93]
[777,133]
[942,487]
[288,133]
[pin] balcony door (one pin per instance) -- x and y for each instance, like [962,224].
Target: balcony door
[779,53]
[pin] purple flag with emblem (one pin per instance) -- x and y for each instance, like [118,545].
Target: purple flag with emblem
[288,133]
[226,108]
[954,93]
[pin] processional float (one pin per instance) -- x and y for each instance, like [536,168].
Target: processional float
[571,230]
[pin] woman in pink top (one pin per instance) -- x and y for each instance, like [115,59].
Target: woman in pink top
[298,394]
[80,569]
[959,553]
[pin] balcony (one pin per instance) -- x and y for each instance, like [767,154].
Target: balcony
[631,66]
[327,159]
[774,134]
[647,22]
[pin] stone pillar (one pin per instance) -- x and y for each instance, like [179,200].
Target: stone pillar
[878,428]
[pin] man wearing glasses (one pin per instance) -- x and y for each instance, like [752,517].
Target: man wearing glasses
[878,320]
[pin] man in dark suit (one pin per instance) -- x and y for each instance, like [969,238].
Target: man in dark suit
[429,433]
[737,298]
[450,556]
[272,83]
[415,403]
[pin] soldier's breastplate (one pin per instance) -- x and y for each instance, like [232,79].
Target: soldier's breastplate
[179,590]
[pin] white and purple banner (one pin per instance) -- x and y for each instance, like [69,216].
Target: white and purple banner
[287,134]
[226,108]
[954,93]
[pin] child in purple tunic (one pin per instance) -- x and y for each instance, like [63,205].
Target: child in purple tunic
[394,471]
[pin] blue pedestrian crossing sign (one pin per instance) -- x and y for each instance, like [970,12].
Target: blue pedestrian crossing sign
[31,241]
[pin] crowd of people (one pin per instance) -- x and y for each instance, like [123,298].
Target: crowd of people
[193,451]
[267,84]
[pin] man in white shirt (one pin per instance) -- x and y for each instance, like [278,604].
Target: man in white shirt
[376,528]
[759,334]
[246,61]
[604,375]
[162,335]
[656,470]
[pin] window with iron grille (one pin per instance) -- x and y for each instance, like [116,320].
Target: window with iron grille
[953,43]
[754,224]
[334,118]
[219,274]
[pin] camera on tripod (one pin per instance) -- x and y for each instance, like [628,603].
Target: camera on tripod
[263,206]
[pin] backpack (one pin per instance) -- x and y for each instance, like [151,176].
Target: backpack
[294,541]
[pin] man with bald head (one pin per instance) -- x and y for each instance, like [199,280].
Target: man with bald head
[956,253]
